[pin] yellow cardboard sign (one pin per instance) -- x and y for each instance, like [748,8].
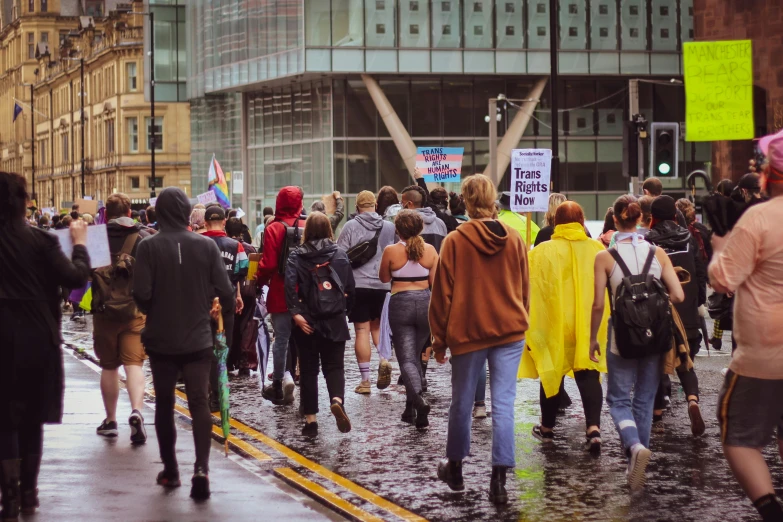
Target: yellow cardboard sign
[718,90]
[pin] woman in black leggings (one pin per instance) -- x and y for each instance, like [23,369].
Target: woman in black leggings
[410,266]
[31,367]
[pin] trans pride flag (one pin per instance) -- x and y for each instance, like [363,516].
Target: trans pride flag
[217,183]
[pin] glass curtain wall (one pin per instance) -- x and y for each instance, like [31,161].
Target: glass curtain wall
[170,50]
[215,128]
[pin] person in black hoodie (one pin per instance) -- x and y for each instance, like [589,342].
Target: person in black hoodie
[177,274]
[683,250]
[319,293]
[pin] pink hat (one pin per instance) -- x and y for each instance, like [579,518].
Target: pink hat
[772,147]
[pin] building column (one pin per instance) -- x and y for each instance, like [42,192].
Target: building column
[515,131]
[397,131]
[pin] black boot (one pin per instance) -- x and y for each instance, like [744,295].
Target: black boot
[9,486]
[422,411]
[450,472]
[409,415]
[497,485]
[424,375]
[28,478]
[274,392]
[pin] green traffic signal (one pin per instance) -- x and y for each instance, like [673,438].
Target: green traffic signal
[664,168]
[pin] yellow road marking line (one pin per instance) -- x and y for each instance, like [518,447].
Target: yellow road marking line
[356,489]
[237,443]
[331,499]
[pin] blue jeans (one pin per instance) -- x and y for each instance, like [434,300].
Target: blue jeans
[632,417]
[481,385]
[465,371]
[283,325]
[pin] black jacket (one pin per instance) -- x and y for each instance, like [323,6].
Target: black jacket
[32,268]
[297,284]
[119,229]
[178,273]
[450,221]
[683,250]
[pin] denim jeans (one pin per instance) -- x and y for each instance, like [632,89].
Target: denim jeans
[481,385]
[632,417]
[465,370]
[282,324]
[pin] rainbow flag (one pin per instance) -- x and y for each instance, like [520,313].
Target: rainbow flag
[217,183]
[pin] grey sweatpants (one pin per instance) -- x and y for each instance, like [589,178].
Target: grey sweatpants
[410,330]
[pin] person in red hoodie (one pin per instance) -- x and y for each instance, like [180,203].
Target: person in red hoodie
[287,228]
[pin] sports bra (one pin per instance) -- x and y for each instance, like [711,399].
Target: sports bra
[411,272]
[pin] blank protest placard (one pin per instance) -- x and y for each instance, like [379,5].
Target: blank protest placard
[718,90]
[440,164]
[97,244]
[530,173]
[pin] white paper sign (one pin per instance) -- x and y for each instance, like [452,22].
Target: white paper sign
[153,201]
[97,244]
[237,182]
[240,213]
[530,173]
[207,197]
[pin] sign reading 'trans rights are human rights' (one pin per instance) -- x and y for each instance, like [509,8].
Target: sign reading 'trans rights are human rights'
[439,164]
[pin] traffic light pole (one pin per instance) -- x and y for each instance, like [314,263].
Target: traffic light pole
[633,109]
[152,102]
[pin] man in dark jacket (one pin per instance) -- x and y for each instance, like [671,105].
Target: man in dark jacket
[178,273]
[119,343]
[288,210]
[414,198]
[683,250]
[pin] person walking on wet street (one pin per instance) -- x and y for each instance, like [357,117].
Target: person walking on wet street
[634,361]
[320,291]
[178,274]
[117,322]
[410,267]
[482,253]
[683,250]
[562,279]
[364,238]
[749,263]
[281,237]
[244,357]
[31,365]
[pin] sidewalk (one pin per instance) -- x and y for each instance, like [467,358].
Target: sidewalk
[85,477]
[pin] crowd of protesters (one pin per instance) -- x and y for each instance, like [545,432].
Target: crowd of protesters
[403,270]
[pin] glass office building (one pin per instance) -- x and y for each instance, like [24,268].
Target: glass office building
[277,87]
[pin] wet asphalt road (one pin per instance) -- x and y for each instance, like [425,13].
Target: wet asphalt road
[688,478]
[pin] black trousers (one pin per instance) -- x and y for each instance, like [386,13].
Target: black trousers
[688,380]
[589,384]
[315,349]
[228,328]
[195,368]
[25,443]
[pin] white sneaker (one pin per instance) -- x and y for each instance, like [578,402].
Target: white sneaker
[288,388]
[480,412]
[640,457]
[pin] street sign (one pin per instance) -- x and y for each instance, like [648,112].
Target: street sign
[530,173]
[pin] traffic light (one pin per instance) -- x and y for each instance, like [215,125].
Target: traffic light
[664,150]
[633,131]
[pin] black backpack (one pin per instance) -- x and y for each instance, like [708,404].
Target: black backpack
[326,298]
[361,254]
[641,312]
[291,240]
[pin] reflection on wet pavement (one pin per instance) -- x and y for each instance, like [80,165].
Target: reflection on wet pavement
[688,478]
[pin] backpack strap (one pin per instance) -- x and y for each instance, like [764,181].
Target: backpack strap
[619,260]
[649,260]
[127,247]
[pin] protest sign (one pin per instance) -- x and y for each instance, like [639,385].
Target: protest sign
[330,204]
[718,90]
[207,197]
[439,164]
[87,206]
[240,213]
[97,244]
[153,201]
[530,172]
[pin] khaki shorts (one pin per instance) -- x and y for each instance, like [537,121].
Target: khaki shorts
[118,344]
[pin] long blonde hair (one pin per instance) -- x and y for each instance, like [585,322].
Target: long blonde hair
[409,226]
[555,199]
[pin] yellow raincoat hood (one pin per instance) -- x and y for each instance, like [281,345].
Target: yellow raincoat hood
[562,283]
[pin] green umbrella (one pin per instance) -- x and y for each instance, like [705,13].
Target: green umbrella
[221,353]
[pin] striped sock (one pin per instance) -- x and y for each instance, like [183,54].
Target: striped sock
[364,369]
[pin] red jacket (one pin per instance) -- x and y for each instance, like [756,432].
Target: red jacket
[288,209]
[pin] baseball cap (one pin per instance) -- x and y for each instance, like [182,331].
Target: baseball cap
[365,199]
[215,213]
[772,147]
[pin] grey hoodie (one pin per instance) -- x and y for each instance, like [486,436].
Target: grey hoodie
[362,228]
[434,228]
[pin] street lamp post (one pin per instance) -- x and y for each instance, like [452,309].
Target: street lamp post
[32,134]
[553,79]
[151,15]
[81,116]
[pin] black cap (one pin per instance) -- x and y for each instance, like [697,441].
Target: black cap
[750,181]
[505,201]
[663,208]
[215,213]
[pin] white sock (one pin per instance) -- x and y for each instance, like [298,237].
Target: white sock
[364,369]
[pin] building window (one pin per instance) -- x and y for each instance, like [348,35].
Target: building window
[446,30]
[380,5]
[110,136]
[380,29]
[573,9]
[664,10]
[445,6]
[413,5]
[158,182]
[573,32]
[414,29]
[31,6]
[43,152]
[478,7]
[30,45]
[45,37]
[664,33]
[603,32]
[44,6]
[134,181]
[541,8]
[130,69]
[603,9]
[510,8]
[65,147]
[633,10]
[634,32]
[133,135]
[478,30]
[154,135]
[541,31]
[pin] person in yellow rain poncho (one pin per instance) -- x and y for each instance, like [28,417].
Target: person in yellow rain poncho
[558,342]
